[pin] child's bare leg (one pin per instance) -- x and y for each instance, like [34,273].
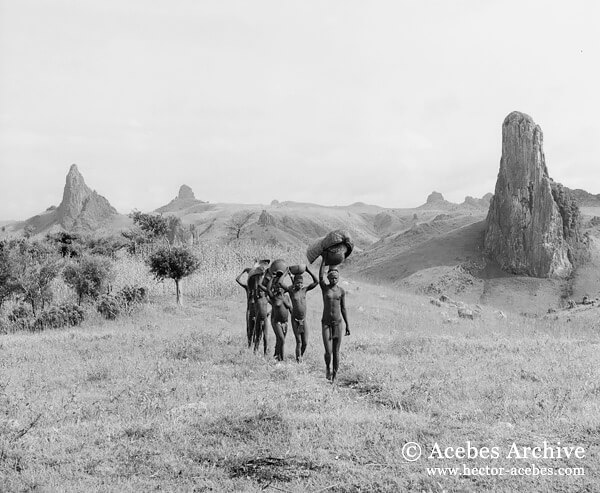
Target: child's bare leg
[258,328]
[298,336]
[328,350]
[284,328]
[250,321]
[265,342]
[336,356]
[304,337]
[277,329]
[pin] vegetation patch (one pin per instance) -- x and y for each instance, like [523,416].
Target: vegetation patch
[271,469]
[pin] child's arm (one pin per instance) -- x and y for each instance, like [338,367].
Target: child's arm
[343,309]
[238,279]
[280,281]
[322,282]
[315,282]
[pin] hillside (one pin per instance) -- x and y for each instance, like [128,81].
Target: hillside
[290,222]
[444,255]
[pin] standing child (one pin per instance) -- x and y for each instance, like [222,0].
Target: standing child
[250,306]
[260,321]
[297,292]
[334,311]
[279,313]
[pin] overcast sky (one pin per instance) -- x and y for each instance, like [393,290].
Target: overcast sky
[323,101]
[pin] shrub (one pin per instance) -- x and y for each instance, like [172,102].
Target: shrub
[4,326]
[89,276]
[109,306]
[67,314]
[21,317]
[74,313]
[131,295]
[53,318]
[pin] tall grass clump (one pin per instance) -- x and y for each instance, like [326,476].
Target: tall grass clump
[219,264]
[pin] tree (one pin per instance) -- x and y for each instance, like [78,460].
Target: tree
[28,232]
[148,228]
[106,246]
[173,263]
[154,225]
[7,282]
[35,266]
[176,232]
[238,223]
[67,243]
[90,276]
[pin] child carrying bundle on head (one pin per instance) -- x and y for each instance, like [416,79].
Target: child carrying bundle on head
[297,292]
[279,313]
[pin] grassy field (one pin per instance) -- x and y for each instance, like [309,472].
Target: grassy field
[170,399]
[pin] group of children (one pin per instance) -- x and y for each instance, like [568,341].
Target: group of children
[265,287]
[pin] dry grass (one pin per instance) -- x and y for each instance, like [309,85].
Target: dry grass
[171,399]
[219,265]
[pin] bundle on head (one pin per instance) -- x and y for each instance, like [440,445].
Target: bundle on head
[335,248]
[296,270]
[278,265]
[260,267]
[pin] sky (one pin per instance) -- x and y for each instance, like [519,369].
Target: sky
[331,102]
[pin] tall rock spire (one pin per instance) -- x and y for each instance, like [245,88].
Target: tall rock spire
[525,233]
[81,206]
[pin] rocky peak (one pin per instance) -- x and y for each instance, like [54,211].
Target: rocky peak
[266,219]
[482,203]
[435,198]
[75,194]
[525,230]
[81,206]
[185,200]
[186,193]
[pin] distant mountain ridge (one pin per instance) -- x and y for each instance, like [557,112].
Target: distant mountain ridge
[585,199]
[436,201]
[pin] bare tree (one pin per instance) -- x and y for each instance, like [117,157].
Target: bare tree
[237,224]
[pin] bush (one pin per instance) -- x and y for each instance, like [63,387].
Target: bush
[67,314]
[21,317]
[89,276]
[132,295]
[74,313]
[109,306]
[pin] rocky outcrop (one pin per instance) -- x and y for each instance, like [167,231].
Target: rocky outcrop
[532,223]
[266,219]
[186,193]
[482,203]
[185,200]
[436,201]
[82,207]
[585,199]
